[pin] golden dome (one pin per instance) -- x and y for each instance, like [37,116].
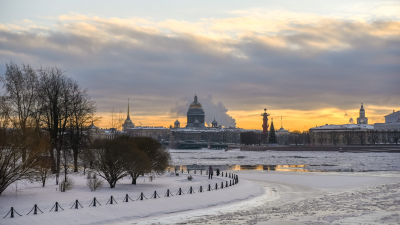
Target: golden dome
[195,105]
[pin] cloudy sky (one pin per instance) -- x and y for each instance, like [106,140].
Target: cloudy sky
[310,61]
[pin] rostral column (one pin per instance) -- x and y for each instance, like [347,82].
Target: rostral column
[265,124]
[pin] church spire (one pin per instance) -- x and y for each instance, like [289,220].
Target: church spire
[195,97]
[128,117]
[281,122]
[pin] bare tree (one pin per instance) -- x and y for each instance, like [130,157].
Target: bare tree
[295,137]
[373,136]
[42,167]
[384,136]
[361,136]
[334,137]
[158,156]
[113,159]
[60,102]
[348,137]
[320,136]
[12,148]
[77,132]
[395,135]
[21,84]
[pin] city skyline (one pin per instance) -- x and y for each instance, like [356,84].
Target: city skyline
[311,62]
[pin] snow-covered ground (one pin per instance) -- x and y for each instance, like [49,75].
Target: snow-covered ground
[25,195]
[275,196]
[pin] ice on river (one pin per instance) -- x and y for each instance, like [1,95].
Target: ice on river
[309,161]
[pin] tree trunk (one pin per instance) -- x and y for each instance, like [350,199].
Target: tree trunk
[75,161]
[58,163]
[134,180]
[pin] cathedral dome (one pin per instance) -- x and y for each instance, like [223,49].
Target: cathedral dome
[195,115]
[195,104]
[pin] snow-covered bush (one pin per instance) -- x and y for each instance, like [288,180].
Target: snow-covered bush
[95,183]
[190,177]
[67,184]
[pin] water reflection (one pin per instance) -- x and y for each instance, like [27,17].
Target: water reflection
[287,168]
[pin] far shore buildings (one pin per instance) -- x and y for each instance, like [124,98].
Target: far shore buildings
[362,132]
[196,130]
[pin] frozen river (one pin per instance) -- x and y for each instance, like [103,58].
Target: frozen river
[286,161]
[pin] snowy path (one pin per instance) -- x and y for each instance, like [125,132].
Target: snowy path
[123,212]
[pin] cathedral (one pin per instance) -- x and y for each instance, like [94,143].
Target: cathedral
[195,115]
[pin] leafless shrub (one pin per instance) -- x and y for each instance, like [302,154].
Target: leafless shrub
[95,183]
[67,184]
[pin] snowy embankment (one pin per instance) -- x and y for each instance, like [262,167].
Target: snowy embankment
[25,196]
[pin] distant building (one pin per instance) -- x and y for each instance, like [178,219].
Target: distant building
[177,124]
[362,119]
[128,123]
[195,115]
[392,122]
[281,131]
[157,133]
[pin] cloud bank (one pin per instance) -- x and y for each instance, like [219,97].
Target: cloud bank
[250,61]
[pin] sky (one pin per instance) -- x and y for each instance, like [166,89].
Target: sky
[311,62]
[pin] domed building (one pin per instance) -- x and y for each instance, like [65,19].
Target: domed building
[177,124]
[214,124]
[195,115]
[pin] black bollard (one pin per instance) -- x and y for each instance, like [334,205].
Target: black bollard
[222,185]
[35,209]
[226,184]
[188,171]
[216,186]
[229,175]
[180,192]
[230,183]
[12,210]
[76,204]
[94,202]
[201,189]
[222,174]
[201,172]
[226,174]
[168,193]
[111,200]
[155,195]
[56,207]
[126,198]
[141,197]
[209,187]
[191,190]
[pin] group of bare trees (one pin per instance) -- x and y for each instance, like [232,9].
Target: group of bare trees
[346,137]
[114,159]
[44,117]
[332,138]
